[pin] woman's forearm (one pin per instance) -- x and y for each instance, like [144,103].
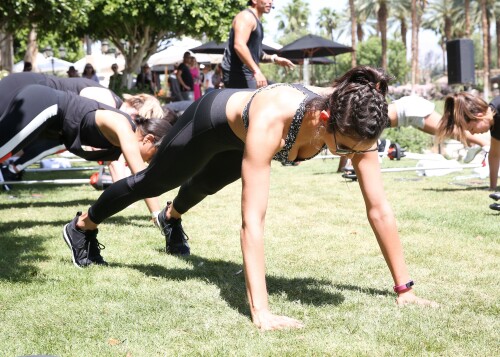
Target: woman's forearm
[252,247]
[383,224]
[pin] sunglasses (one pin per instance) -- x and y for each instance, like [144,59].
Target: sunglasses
[344,151]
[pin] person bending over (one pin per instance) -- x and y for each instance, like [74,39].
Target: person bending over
[87,128]
[419,113]
[219,139]
[144,105]
[463,113]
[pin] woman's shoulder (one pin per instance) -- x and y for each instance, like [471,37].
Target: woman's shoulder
[283,98]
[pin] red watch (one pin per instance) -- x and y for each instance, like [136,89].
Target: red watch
[400,288]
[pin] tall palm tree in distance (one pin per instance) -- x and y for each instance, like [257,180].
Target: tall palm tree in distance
[352,11]
[381,10]
[328,20]
[417,8]
[401,12]
[486,57]
[293,20]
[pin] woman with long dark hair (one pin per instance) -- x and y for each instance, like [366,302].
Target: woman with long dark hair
[231,134]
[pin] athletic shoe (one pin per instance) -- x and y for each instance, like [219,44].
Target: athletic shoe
[175,237]
[495,196]
[9,175]
[471,153]
[383,146]
[495,206]
[349,173]
[85,248]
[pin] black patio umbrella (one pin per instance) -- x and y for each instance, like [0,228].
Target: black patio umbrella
[313,46]
[313,60]
[213,47]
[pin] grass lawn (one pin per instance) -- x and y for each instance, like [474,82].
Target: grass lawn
[324,267]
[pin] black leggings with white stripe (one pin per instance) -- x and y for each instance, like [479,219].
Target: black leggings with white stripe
[201,153]
[32,110]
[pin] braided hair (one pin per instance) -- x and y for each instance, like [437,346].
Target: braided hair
[358,107]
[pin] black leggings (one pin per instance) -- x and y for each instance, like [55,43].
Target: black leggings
[32,110]
[201,153]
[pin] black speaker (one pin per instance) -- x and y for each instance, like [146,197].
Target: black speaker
[460,56]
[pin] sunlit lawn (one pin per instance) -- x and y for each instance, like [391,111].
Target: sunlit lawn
[323,264]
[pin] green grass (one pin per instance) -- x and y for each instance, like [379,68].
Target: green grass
[323,264]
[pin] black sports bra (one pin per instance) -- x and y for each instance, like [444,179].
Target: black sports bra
[282,155]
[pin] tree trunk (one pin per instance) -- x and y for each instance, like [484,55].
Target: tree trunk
[486,59]
[32,48]
[488,26]
[382,23]
[497,25]
[414,45]
[467,18]
[88,45]
[353,32]
[447,28]
[443,51]
[404,30]
[6,52]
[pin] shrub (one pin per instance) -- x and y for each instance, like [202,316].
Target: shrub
[409,138]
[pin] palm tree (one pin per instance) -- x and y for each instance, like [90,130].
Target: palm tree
[486,55]
[440,17]
[328,20]
[417,8]
[467,18]
[401,13]
[496,14]
[380,8]
[353,32]
[293,18]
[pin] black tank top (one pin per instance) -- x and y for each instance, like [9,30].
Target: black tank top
[80,129]
[232,63]
[495,129]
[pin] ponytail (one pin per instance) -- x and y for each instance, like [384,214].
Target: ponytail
[459,109]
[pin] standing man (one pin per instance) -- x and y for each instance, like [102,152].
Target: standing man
[145,80]
[115,80]
[240,64]
[185,78]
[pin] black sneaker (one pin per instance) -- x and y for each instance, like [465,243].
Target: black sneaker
[175,237]
[495,196]
[9,175]
[85,247]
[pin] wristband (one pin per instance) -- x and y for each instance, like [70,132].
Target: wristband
[400,288]
[273,57]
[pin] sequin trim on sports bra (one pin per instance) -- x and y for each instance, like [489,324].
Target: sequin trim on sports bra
[282,155]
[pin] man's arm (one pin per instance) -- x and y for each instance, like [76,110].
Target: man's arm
[280,61]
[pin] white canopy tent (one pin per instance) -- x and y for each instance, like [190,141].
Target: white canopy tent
[46,65]
[174,54]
